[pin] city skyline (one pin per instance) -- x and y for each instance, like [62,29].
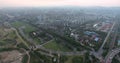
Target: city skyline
[37,3]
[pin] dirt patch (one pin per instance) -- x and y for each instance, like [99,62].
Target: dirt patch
[11,57]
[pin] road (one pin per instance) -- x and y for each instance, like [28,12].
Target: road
[114,36]
[24,42]
[98,54]
[26,52]
[47,51]
[100,50]
[111,54]
[113,31]
[50,52]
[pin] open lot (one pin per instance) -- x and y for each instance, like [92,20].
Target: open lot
[53,45]
[7,36]
[10,57]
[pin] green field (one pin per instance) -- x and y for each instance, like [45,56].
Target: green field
[10,36]
[74,59]
[28,28]
[53,45]
[7,36]
[17,24]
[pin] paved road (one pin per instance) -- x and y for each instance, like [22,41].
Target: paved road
[111,54]
[106,37]
[50,52]
[100,51]
[26,52]
[47,51]
[114,36]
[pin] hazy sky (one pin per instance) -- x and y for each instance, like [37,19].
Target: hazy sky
[11,3]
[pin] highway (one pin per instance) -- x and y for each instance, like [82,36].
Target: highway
[100,50]
[113,36]
[113,33]
[98,54]
[48,52]
[111,54]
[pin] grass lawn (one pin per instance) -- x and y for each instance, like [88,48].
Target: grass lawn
[38,41]
[18,24]
[53,45]
[74,59]
[12,35]
[27,28]
[2,32]
[7,36]
[21,39]
[69,59]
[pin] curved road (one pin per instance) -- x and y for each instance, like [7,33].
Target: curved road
[111,54]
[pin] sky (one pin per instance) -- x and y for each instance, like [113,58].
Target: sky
[37,3]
